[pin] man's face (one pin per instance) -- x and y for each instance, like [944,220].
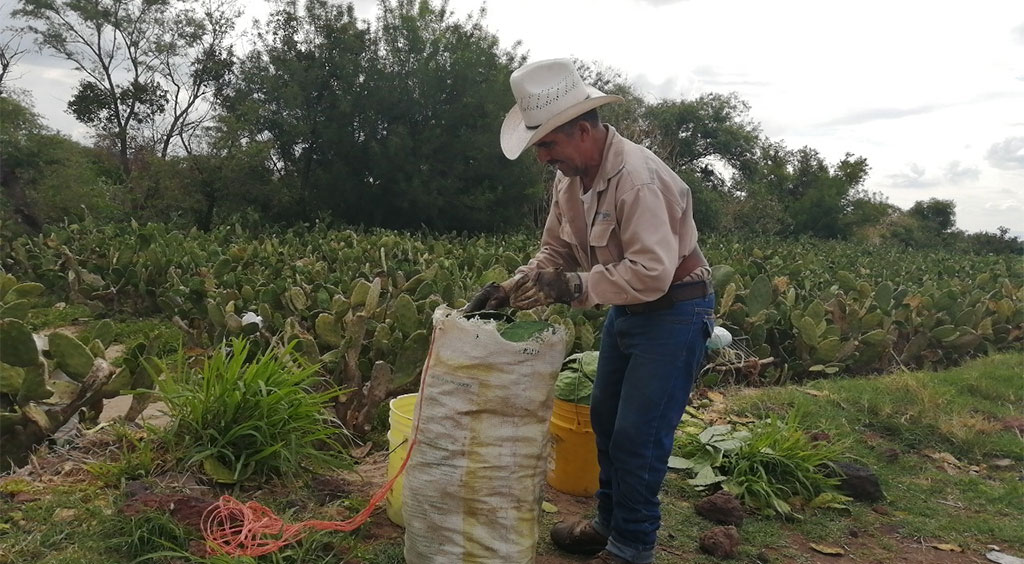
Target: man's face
[561,151]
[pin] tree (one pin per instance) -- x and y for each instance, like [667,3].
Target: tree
[10,51]
[302,91]
[817,198]
[393,125]
[706,135]
[133,55]
[939,216]
[441,94]
[45,177]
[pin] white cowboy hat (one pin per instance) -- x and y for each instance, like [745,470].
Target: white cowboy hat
[548,94]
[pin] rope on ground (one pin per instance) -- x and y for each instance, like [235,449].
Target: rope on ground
[251,529]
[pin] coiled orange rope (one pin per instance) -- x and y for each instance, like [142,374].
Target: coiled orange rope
[251,529]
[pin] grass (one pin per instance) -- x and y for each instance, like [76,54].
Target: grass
[48,317]
[889,423]
[248,414]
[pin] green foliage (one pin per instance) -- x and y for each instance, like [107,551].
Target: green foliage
[769,466]
[46,177]
[939,216]
[779,466]
[575,382]
[823,307]
[248,415]
[322,85]
[139,458]
[175,53]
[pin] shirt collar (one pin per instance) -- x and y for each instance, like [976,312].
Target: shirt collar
[612,161]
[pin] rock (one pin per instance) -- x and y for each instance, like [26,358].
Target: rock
[858,482]
[720,542]
[64,514]
[135,488]
[25,497]
[1002,558]
[722,507]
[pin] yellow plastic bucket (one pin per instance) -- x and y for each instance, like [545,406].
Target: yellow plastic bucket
[399,435]
[572,459]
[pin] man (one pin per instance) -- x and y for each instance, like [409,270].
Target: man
[620,232]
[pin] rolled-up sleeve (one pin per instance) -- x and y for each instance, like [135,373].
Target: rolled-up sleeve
[650,249]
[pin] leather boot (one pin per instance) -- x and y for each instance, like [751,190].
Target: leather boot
[578,537]
[605,557]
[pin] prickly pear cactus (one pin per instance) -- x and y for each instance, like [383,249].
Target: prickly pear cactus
[44,380]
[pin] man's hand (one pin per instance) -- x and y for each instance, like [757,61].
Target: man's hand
[494,296]
[545,287]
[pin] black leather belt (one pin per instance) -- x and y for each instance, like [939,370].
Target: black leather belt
[676,293]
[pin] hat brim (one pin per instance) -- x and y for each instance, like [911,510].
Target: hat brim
[516,136]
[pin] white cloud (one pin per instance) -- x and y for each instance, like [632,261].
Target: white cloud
[959,174]
[1007,154]
[913,177]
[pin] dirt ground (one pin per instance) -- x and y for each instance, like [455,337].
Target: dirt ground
[860,549]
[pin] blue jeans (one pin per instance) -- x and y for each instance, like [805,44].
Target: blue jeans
[645,373]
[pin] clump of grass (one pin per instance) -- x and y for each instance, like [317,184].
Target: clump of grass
[139,458]
[768,465]
[255,418]
[781,463]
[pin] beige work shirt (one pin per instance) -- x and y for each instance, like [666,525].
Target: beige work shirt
[642,228]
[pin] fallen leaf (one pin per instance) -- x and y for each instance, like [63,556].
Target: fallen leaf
[548,507]
[946,547]
[942,457]
[741,419]
[679,463]
[1002,463]
[716,397]
[361,452]
[825,549]
[64,514]
[815,393]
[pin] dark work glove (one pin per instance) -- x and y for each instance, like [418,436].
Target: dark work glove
[544,287]
[494,296]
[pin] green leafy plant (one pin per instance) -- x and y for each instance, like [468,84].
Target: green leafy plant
[252,415]
[139,458]
[771,466]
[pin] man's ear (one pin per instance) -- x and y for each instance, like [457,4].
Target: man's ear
[584,129]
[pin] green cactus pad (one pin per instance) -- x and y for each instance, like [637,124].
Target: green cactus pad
[328,331]
[17,346]
[104,332]
[10,379]
[33,385]
[72,356]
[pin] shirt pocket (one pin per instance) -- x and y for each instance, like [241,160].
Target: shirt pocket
[600,233]
[600,238]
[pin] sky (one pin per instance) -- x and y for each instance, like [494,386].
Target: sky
[931,93]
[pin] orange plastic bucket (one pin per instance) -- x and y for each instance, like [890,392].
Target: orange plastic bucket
[572,459]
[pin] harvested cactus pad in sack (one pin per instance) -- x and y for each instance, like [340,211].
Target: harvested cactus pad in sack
[575,382]
[473,485]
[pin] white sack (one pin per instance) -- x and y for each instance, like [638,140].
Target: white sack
[473,485]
